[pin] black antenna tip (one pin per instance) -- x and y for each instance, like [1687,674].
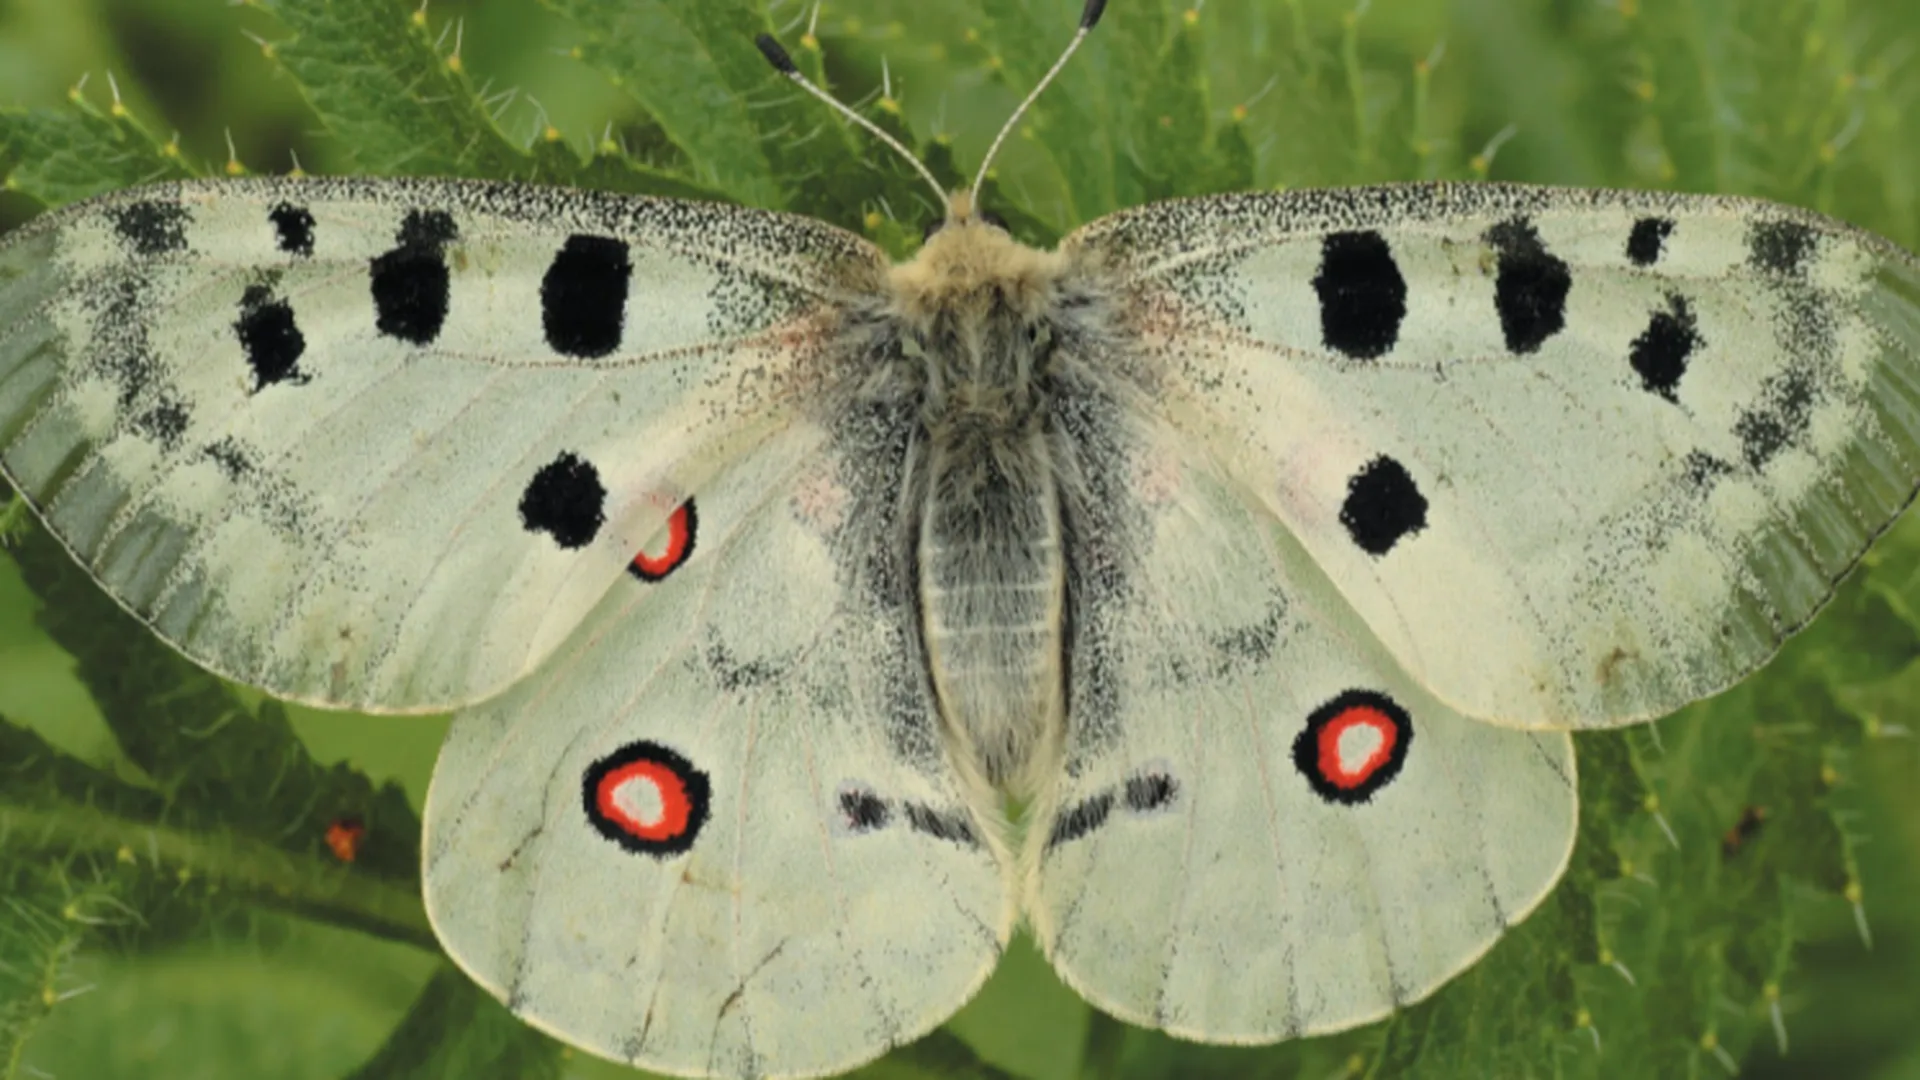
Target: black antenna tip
[777,56]
[1091,13]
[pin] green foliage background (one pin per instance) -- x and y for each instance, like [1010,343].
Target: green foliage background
[168,906]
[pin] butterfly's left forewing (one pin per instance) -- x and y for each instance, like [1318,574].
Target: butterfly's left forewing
[1576,457]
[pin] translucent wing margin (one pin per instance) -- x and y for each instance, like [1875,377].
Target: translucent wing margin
[1577,457]
[382,444]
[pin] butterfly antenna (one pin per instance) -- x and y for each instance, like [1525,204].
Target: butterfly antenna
[1089,15]
[783,63]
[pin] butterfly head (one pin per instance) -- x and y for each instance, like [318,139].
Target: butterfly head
[962,209]
[969,259]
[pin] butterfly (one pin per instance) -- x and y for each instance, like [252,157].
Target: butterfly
[1263,548]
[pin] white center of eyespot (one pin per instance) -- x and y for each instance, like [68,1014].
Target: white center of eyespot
[639,799]
[1358,744]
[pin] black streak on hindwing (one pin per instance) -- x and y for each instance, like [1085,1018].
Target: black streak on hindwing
[952,826]
[1081,819]
[863,811]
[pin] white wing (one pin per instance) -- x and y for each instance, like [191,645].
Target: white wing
[720,833]
[1265,828]
[384,444]
[1576,457]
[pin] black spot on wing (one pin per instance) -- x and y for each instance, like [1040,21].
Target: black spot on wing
[1661,351]
[583,298]
[1530,286]
[293,228]
[1780,419]
[565,500]
[953,826]
[1383,506]
[152,228]
[412,287]
[1363,297]
[271,340]
[1780,247]
[1648,240]
[1081,819]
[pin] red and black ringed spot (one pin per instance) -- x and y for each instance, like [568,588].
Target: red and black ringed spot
[1353,746]
[647,799]
[683,525]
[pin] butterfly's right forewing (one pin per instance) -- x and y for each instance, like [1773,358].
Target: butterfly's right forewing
[383,444]
[1576,457]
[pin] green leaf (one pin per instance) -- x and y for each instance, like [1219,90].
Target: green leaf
[64,156]
[694,68]
[375,74]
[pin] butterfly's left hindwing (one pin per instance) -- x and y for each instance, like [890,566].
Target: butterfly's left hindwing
[383,444]
[720,834]
[1576,457]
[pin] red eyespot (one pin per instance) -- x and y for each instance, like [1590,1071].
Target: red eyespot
[1353,746]
[647,799]
[344,836]
[682,525]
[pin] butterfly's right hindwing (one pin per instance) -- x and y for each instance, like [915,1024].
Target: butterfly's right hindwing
[720,835]
[1262,827]
[383,444]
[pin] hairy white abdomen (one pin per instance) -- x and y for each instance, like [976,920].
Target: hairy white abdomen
[992,584]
